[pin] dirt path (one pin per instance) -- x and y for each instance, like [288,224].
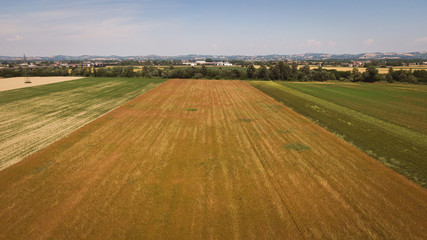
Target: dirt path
[202,159]
[19,82]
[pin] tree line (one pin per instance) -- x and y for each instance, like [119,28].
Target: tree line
[279,71]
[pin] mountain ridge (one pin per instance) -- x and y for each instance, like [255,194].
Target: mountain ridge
[268,57]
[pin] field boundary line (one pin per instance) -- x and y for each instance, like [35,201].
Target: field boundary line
[399,131]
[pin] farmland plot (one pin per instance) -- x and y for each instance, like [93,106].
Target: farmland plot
[32,118]
[203,159]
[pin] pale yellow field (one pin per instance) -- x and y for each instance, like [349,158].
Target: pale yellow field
[19,82]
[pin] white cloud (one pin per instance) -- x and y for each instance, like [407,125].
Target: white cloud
[313,42]
[76,31]
[13,39]
[368,42]
[421,40]
[332,43]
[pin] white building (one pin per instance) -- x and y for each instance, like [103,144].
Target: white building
[189,63]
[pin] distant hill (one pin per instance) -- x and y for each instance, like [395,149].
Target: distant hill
[305,56]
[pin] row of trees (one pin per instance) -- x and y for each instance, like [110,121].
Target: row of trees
[406,76]
[370,75]
[42,72]
[279,71]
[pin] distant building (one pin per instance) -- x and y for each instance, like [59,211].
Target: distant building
[189,63]
[358,63]
[201,62]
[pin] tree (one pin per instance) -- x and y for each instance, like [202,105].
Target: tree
[284,70]
[198,76]
[236,74]
[305,69]
[371,74]
[146,72]
[355,76]
[251,71]
[390,74]
[87,72]
[275,72]
[262,72]
[320,75]
[204,70]
[421,75]
[128,72]
[294,71]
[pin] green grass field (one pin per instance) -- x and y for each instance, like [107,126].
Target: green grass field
[386,121]
[32,118]
[404,105]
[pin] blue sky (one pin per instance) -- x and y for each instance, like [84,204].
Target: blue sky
[174,27]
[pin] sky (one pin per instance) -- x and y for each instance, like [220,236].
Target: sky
[216,27]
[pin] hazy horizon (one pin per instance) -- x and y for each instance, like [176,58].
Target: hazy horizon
[178,27]
[226,55]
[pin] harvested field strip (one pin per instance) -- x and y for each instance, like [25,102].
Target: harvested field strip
[19,82]
[152,169]
[399,148]
[400,104]
[32,118]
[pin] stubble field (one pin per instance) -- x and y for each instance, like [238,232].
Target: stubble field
[199,159]
[19,82]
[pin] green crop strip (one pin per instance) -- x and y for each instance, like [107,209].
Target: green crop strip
[403,105]
[397,147]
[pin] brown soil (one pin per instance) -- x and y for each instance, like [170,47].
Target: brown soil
[202,159]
